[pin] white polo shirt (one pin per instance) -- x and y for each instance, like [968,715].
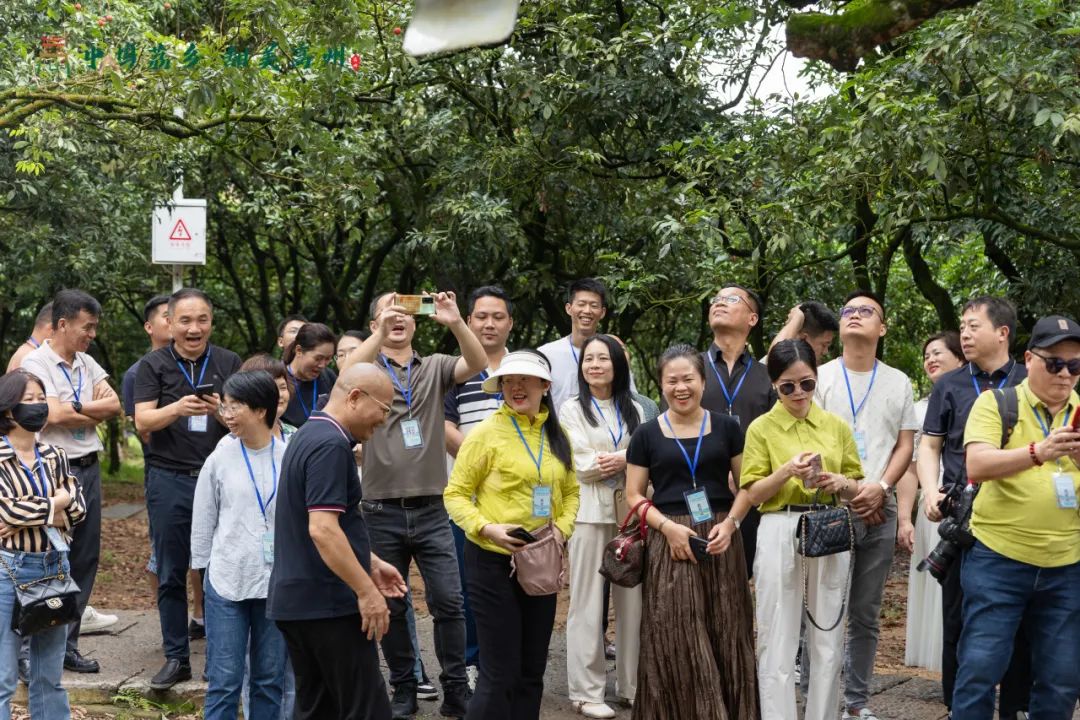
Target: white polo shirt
[66,383]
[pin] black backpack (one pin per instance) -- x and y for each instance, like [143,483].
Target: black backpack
[1009,408]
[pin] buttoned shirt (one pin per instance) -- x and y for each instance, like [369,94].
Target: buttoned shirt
[754,397]
[66,382]
[29,507]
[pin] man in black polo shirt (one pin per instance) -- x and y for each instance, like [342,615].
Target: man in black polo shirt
[327,589]
[735,383]
[986,328]
[177,394]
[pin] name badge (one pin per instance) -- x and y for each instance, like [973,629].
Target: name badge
[735,418]
[697,502]
[268,547]
[410,432]
[56,539]
[860,443]
[78,435]
[197,423]
[1065,490]
[542,501]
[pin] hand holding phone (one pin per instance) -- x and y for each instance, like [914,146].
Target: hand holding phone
[520,533]
[204,391]
[415,304]
[814,461]
[699,546]
[1076,419]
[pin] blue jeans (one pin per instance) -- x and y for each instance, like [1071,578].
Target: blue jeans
[472,645]
[398,536]
[288,695]
[47,697]
[231,628]
[999,593]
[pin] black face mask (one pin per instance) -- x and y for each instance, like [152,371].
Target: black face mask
[31,416]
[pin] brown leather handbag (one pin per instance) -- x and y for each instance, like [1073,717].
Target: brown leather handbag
[623,561]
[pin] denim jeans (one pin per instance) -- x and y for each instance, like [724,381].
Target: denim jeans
[288,695]
[235,631]
[472,645]
[999,593]
[398,536]
[47,697]
[410,619]
[169,497]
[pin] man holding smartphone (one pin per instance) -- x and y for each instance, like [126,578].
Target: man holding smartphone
[177,397]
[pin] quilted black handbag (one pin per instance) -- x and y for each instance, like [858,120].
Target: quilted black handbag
[821,532]
[43,603]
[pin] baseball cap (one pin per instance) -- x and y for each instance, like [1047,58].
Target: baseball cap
[1052,329]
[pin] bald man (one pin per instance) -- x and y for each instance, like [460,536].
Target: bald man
[328,590]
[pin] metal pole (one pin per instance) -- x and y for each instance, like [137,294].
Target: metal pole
[177,277]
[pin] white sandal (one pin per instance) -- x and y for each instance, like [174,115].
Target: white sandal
[593,710]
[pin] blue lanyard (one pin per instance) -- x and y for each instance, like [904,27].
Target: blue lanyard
[851,398]
[202,373]
[78,392]
[538,460]
[33,342]
[697,451]
[730,397]
[251,474]
[406,391]
[618,419]
[573,350]
[484,376]
[1045,427]
[300,393]
[43,491]
[979,390]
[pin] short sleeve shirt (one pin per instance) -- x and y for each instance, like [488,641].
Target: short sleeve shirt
[467,405]
[67,382]
[669,473]
[750,400]
[177,446]
[318,473]
[392,470]
[950,402]
[127,388]
[304,396]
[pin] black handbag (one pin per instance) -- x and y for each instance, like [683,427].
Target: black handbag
[43,603]
[825,531]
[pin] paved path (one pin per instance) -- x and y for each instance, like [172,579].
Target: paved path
[130,655]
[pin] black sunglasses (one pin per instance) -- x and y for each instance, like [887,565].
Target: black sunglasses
[1054,365]
[807,385]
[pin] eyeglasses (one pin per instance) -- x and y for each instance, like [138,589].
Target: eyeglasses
[727,300]
[1054,365]
[863,311]
[385,408]
[231,408]
[807,385]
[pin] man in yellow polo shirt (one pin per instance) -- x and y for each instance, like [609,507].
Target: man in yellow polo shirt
[1025,563]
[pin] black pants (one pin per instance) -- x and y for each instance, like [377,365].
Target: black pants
[85,544]
[748,527]
[514,631]
[169,497]
[337,670]
[1015,688]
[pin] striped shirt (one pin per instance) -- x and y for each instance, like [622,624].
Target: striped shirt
[467,405]
[22,505]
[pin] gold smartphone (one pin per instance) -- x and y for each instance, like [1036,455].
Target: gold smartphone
[416,304]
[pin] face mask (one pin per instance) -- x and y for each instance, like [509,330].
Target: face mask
[31,416]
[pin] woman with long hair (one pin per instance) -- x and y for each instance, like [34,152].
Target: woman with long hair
[513,476]
[599,422]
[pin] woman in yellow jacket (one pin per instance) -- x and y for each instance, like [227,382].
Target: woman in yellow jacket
[513,472]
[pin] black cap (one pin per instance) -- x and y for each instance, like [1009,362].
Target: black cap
[1053,329]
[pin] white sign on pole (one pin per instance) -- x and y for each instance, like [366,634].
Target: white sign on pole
[179,232]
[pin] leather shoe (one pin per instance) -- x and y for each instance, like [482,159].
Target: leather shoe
[404,706]
[172,672]
[24,670]
[455,700]
[75,662]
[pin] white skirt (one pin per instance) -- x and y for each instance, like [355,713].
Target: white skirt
[924,629]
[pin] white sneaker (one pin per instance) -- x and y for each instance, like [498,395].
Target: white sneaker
[864,714]
[471,673]
[93,621]
[594,710]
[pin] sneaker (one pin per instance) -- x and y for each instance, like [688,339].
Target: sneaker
[425,690]
[472,672]
[594,710]
[196,630]
[403,705]
[864,714]
[24,671]
[609,651]
[93,621]
[798,675]
[455,700]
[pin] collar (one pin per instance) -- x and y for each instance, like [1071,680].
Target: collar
[523,420]
[171,347]
[1005,369]
[331,420]
[55,359]
[786,420]
[744,357]
[416,359]
[1029,398]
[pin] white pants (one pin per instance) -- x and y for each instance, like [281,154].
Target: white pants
[779,584]
[586,666]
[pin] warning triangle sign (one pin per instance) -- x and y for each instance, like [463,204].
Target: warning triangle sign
[180,232]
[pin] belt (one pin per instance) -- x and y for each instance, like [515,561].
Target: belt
[799,508]
[85,461]
[410,503]
[190,472]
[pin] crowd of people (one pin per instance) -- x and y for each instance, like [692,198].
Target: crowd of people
[295,498]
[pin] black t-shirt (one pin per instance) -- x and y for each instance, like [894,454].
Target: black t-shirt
[318,473]
[755,395]
[669,473]
[304,396]
[177,446]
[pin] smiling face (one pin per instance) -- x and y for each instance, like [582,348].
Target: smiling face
[78,332]
[682,385]
[798,402]
[596,364]
[938,360]
[401,332]
[586,310]
[523,393]
[191,321]
[241,419]
[728,314]
[308,364]
[283,396]
[491,323]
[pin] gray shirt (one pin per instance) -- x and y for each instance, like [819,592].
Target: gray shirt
[227,527]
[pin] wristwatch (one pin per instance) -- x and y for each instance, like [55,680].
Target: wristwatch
[886,487]
[76,406]
[735,521]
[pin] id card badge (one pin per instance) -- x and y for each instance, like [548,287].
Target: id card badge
[410,431]
[542,501]
[860,443]
[735,418]
[1065,490]
[197,423]
[78,435]
[56,539]
[697,502]
[268,547]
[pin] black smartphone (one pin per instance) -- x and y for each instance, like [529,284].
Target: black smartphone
[204,391]
[699,545]
[520,533]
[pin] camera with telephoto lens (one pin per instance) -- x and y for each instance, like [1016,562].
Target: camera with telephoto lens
[955,531]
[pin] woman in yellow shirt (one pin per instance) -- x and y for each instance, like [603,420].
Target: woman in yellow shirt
[780,474]
[513,472]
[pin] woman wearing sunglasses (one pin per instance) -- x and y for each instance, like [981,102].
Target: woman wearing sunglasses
[796,455]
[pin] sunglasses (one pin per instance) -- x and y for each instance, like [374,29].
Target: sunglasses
[1054,365]
[863,311]
[807,385]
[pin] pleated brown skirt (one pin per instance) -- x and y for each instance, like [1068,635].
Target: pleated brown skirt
[697,635]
